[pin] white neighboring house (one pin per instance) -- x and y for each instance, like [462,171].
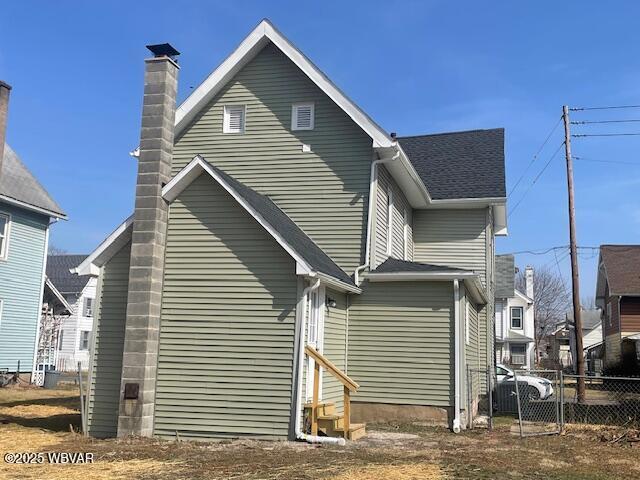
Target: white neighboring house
[74,335]
[514,316]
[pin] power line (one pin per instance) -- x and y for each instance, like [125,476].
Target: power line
[581,135]
[535,156]
[536,179]
[611,107]
[583,159]
[589,122]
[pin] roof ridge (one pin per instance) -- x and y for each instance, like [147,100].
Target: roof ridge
[451,133]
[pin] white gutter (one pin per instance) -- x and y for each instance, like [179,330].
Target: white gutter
[373,192]
[300,435]
[456,347]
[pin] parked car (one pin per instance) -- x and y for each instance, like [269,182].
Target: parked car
[538,388]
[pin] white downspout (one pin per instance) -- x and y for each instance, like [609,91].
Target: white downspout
[300,435]
[372,194]
[456,361]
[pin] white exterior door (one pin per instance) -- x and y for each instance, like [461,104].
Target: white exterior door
[315,335]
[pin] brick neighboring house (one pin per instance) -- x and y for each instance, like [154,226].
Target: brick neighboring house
[618,294]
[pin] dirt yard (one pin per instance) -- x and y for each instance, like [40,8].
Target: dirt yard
[36,420]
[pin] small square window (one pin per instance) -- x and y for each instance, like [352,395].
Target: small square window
[4,236]
[516,317]
[234,119]
[302,116]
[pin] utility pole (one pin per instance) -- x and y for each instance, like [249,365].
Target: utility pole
[575,277]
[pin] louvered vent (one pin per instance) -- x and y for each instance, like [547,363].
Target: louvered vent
[302,116]
[234,116]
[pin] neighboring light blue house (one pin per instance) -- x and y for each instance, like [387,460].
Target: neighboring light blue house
[26,212]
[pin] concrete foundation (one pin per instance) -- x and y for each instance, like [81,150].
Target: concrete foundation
[362,412]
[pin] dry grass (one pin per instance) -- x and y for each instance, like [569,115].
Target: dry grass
[38,421]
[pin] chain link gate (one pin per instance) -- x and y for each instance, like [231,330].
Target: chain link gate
[538,394]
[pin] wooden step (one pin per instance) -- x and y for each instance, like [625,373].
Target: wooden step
[356,431]
[334,421]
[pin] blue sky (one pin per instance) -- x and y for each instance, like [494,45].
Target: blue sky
[415,67]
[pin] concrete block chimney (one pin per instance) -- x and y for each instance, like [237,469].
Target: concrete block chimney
[528,281]
[5,89]
[146,272]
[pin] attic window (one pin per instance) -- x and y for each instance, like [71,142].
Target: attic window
[302,116]
[234,116]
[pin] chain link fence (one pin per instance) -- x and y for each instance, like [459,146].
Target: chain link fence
[607,401]
[545,400]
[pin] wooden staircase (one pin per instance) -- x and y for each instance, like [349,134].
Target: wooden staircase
[322,417]
[331,424]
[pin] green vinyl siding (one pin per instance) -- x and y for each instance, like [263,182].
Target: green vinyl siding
[400,343]
[324,191]
[335,338]
[385,184]
[106,367]
[227,329]
[453,237]
[21,287]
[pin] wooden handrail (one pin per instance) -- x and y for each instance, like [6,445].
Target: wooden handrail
[325,363]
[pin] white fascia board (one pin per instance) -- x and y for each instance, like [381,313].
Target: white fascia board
[523,296]
[342,286]
[58,295]
[198,166]
[109,247]
[33,208]
[249,47]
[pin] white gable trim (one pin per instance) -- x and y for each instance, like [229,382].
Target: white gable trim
[245,52]
[107,249]
[58,295]
[523,296]
[196,167]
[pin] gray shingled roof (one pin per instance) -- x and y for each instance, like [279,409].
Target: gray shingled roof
[58,272]
[459,164]
[505,276]
[292,234]
[18,183]
[590,318]
[393,265]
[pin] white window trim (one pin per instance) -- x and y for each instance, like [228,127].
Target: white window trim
[467,339]
[406,235]
[294,115]
[4,249]
[87,312]
[88,332]
[511,309]
[389,220]
[225,119]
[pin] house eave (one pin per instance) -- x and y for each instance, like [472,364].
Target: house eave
[33,208]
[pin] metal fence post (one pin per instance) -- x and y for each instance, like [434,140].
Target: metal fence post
[561,401]
[515,379]
[469,388]
[490,395]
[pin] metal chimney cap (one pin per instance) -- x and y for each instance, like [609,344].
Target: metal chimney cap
[5,85]
[163,50]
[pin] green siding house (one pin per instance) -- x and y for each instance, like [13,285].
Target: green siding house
[26,213]
[291,270]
